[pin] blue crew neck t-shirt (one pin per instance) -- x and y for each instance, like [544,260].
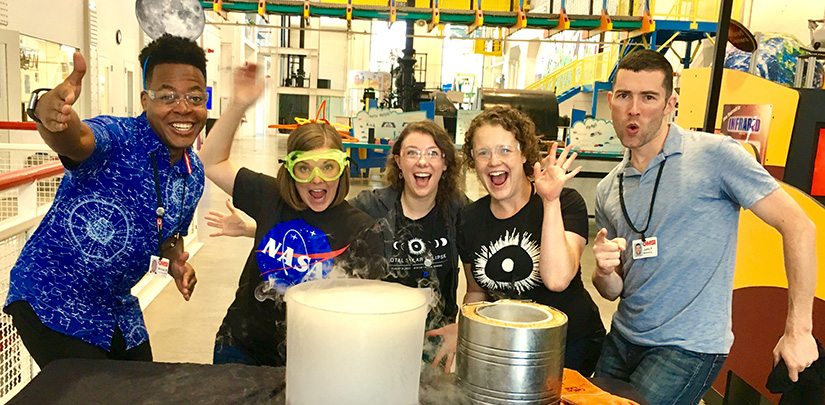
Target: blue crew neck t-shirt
[94,244]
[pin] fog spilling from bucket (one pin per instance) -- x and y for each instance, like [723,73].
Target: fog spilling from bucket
[366,259]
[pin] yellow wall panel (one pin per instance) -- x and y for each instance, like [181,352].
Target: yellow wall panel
[498,5]
[455,4]
[369,2]
[759,256]
[741,88]
[359,2]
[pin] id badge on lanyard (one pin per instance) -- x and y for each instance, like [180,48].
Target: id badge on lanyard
[646,247]
[159,265]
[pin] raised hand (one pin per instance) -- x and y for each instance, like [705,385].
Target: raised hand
[550,180]
[54,109]
[608,253]
[229,224]
[247,88]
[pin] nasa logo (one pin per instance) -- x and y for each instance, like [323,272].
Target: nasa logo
[293,252]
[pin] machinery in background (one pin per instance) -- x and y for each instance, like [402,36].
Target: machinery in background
[540,105]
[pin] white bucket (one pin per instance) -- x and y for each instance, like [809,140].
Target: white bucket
[353,341]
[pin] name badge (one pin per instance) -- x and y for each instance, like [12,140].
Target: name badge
[643,249]
[158,266]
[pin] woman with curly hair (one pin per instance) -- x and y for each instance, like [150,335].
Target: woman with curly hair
[525,239]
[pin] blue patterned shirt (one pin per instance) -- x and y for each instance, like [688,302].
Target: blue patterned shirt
[94,244]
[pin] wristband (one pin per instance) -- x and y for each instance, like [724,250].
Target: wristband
[33,103]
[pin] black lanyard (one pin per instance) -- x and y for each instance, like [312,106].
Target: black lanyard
[160,211]
[652,200]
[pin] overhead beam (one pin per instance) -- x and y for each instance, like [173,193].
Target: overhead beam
[507,19]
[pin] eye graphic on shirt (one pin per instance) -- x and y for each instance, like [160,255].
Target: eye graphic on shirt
[100,229]
[510,263]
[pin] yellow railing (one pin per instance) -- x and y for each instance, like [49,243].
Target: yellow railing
[598,67]
[586,70]
[696,11]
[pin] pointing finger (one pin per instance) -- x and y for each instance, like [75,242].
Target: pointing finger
[601,237]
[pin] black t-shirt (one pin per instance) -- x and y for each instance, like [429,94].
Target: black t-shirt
[289,245]
[421,258]
[504,254]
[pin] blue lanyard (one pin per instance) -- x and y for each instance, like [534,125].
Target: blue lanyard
[160,211]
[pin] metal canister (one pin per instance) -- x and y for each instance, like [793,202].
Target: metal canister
[510,352]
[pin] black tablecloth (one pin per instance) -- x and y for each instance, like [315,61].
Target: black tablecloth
[79,381]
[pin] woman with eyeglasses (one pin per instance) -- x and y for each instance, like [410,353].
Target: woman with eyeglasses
[420,208]
[525,239]
[418,213]
[303,225]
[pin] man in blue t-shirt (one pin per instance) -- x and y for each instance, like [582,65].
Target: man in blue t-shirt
[129,193]
[675,199]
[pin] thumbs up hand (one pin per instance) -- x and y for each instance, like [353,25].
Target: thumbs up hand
[54,109]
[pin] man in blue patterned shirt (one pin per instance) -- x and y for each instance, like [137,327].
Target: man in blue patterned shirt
[130,190]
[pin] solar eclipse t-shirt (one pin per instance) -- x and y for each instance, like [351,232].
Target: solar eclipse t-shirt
[504,254]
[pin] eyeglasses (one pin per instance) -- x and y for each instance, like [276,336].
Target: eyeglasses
[429,154]
[328,164]
[172,98]
[502,151]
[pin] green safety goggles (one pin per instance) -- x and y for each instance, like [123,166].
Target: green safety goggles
[328,164]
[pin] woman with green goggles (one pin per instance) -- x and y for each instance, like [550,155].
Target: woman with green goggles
[303,222]
[420,207]
[328,164]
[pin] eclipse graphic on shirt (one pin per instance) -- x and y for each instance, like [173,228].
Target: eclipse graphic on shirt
[510,263]
[416,246]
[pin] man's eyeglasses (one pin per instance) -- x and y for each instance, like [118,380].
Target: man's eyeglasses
[415,154]
[172,98]
[502,151]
